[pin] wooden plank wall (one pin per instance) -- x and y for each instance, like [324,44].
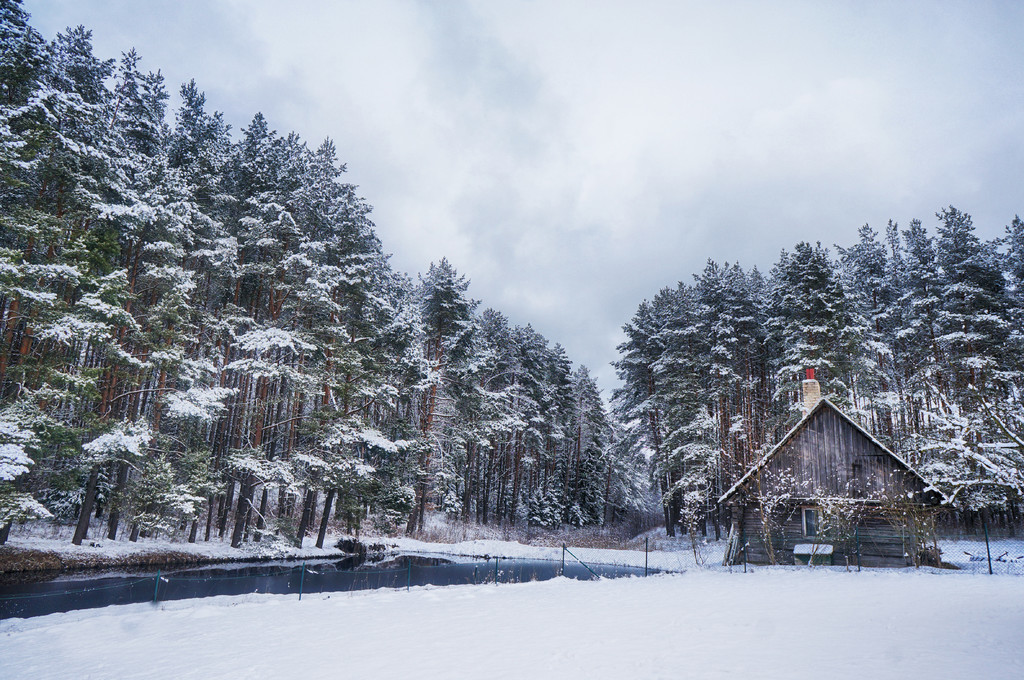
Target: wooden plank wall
[881,543]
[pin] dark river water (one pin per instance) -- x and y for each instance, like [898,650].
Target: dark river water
[66,593]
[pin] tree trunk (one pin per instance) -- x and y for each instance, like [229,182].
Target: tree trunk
[225,510]
[242,511]
[115,512]
[261,521]
[87,504]
[5,349]
[467,482]
[606,518]
[307,505]
[423,504]
[327,516]
[209,517]
[517,471]
[5,531]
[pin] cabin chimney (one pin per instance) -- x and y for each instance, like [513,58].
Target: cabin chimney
[811,392]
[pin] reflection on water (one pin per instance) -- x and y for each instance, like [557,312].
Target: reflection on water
[35,598]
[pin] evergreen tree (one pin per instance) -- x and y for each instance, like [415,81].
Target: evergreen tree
[447,334]
[972,318]
[811,321]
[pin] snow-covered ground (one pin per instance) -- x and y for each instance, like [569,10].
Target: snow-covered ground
[669,556]
[207,549]
[765,624]
[970,555]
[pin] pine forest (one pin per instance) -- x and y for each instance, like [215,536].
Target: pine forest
[201,336]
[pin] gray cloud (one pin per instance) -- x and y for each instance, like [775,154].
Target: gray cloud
[574,157]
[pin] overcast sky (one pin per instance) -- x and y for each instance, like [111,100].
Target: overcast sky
[572,158]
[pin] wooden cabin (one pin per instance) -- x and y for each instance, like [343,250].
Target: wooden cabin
[830,493]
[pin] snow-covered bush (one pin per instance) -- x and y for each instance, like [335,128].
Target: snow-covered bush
[15,439]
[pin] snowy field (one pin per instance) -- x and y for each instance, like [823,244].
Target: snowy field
[765,624]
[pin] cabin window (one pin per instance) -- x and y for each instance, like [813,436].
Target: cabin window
[810,521]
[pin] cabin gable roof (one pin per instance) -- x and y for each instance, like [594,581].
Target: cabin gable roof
[827,438]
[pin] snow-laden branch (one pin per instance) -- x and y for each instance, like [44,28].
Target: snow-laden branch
[124,441]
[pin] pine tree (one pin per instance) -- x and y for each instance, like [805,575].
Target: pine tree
[810,319]
[447,336]
[972,318]
[866,279]
[1014,272]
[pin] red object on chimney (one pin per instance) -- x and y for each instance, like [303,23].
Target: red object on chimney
[810,374]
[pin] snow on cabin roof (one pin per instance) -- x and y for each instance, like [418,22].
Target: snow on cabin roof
[789,435]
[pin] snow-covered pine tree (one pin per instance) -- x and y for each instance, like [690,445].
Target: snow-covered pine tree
[865,272]
[587,469]
[447,333]
[810,320]
[1014,272]
[665,358]
[972,319]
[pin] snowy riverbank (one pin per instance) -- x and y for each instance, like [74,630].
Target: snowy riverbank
[768,624]
[22,554]
[29,552]
[46,546]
